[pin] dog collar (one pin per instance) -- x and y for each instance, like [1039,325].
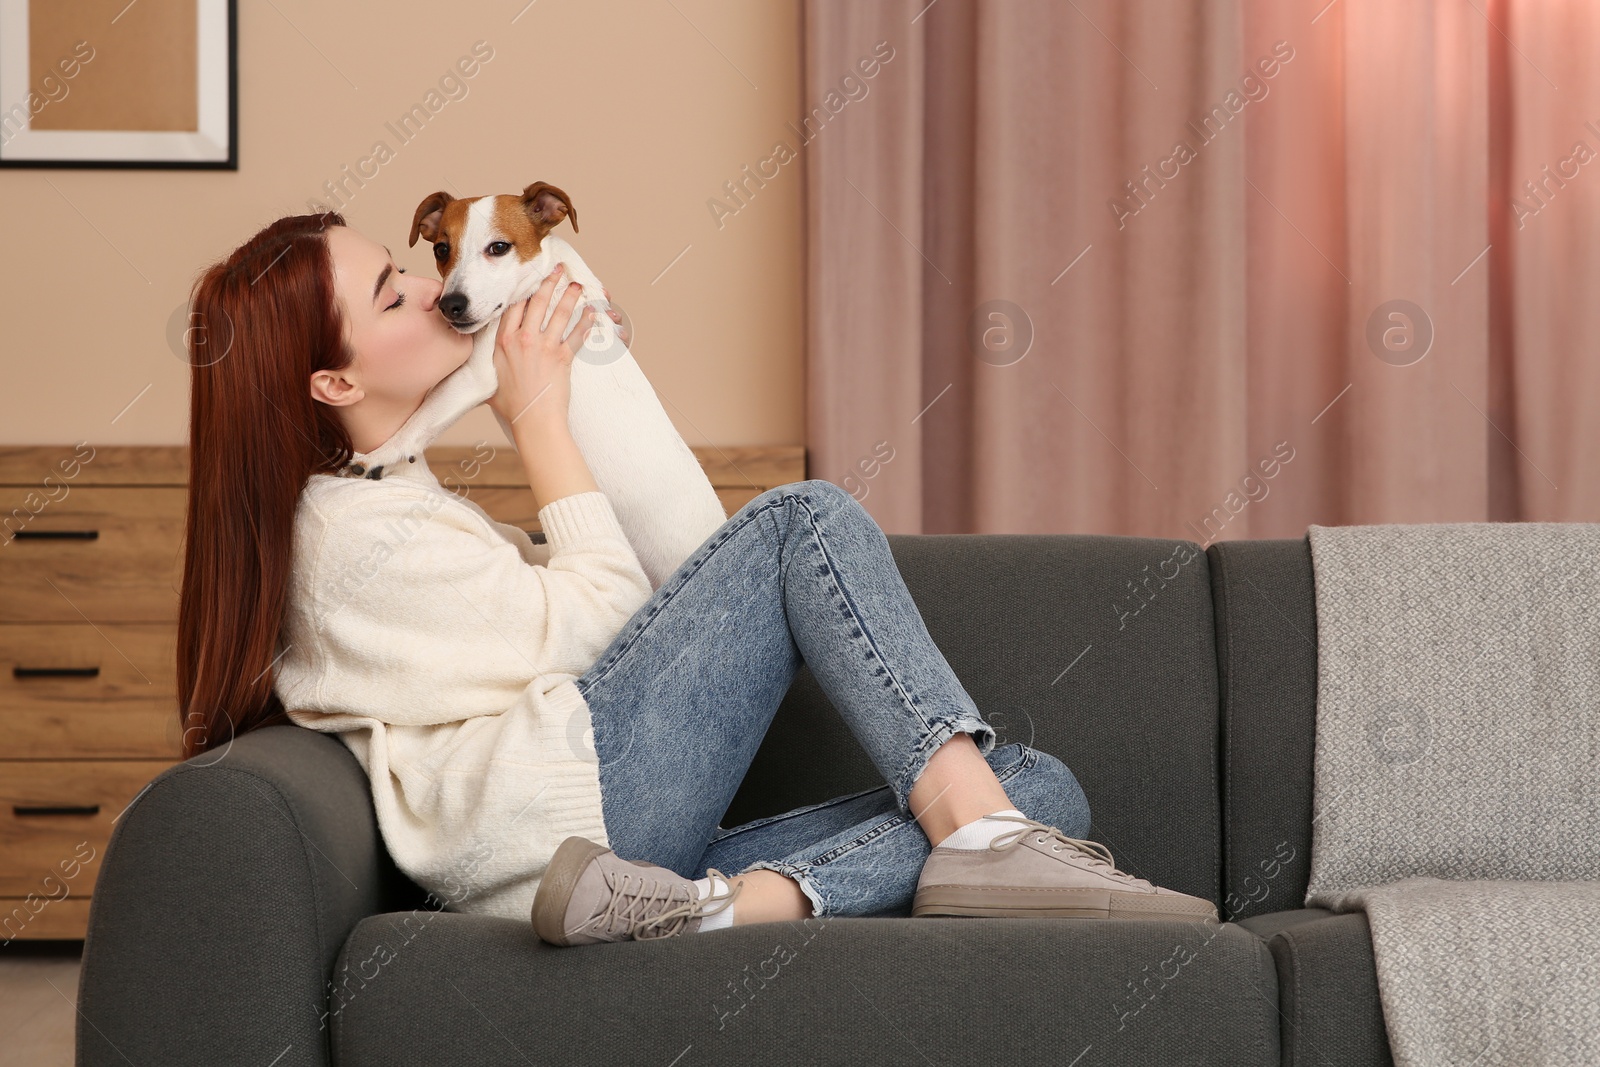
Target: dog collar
[356,469]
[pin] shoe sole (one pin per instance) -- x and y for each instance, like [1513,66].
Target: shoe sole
[554,895]
[959,900]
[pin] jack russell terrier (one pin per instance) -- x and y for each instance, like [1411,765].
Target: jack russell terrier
[494,250]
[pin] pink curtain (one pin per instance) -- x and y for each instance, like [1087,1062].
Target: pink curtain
[1202,271]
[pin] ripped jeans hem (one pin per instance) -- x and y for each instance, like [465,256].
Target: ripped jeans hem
[801,873]
[941,730]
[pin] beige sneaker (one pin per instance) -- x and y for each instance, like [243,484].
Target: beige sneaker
[1036,870]
[589,894]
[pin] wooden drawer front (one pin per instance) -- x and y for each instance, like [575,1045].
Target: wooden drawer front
[99,554]
[54,913]
[57,816]
[72,690]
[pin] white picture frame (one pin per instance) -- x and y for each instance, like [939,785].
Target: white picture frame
[213,146]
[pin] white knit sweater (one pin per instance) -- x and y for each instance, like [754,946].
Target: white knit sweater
[442,646]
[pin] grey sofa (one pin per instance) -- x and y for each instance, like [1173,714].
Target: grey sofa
[247,912]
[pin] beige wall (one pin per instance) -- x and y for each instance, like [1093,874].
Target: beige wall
[640,110]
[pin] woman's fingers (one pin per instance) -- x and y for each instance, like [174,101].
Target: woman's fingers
[510,323]
[537,303]
[541,296]
[569,300]
[517,314]
[513,315]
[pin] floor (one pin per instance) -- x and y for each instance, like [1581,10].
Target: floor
[38,1002]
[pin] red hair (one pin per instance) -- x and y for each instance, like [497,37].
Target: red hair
[261,322]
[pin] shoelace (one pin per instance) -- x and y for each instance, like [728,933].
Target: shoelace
[1097,854]
[671,922]
[629,906]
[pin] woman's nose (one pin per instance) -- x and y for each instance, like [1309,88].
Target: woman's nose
[430,295]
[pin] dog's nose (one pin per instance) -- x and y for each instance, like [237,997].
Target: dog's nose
[454,305]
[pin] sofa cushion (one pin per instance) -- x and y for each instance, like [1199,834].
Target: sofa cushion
[1096,649]
[1266,627]
[1328,982]
[452,988]
[1269,923]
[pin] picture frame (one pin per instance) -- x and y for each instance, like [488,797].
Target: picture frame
[119,84]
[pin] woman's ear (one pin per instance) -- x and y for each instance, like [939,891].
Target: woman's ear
[334,389]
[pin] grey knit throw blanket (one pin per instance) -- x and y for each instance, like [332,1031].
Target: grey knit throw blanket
[1456,800]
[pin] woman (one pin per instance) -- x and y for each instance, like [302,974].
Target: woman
[463,665]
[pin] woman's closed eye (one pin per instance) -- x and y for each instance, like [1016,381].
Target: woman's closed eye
[400,298]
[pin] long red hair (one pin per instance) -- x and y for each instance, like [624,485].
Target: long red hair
[261,322]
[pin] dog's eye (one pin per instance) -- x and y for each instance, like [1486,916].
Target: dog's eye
[498,248]
[441,251]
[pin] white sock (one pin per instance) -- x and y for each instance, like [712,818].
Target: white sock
[718,919]
[979,832]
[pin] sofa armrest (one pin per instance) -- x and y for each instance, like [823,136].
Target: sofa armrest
[1328,987]
[227,890]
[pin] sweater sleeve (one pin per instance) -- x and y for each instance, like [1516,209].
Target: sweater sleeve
[429,615]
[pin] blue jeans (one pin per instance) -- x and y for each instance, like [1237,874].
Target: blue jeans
[682,698]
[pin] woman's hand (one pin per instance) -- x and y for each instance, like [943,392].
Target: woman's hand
[534,366]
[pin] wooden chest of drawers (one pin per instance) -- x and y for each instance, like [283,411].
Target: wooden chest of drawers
[91,564]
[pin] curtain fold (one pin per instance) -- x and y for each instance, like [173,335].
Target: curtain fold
[1551,220]
[1201,271]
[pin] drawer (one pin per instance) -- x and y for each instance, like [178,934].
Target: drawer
[62,915]
[57,816]
[99,554]
[76,691]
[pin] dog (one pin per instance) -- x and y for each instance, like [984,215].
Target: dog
[495,250]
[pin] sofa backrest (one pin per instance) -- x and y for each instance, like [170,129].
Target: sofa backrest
[1266,627]
[1097,649]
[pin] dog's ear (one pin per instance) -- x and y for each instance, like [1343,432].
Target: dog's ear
[546,206]
[426,219]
